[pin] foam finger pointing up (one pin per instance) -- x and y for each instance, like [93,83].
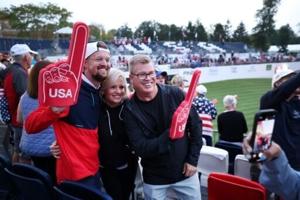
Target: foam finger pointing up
[77,48]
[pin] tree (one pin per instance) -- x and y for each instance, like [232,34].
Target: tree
[265,29]
[164,32]
[109,35]
[219,33]
[32,20]
[200,31]
[175,33]
[240,34]
[97,31]
[285,36]
[227,29]
[190,31]
[147,29]
[124,31]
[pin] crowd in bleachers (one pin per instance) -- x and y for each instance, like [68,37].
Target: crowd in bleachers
[121,116]
[182,54]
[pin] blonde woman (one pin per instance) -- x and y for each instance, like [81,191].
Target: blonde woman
[118,164]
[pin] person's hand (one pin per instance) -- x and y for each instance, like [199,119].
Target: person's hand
[189,170]
[55,150]
[214,101]
[247,149]
[59,82]
[58,109]
[273,151]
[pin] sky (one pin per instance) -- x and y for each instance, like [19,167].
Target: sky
[115,13]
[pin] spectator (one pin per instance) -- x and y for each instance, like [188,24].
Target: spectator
[167,164]
[276,173]
[2,66]
[284,97]
[231,123]
[15,84]
[207,112]
[118,164]
[178,81]
[37,145]
[76,127]
[161,77]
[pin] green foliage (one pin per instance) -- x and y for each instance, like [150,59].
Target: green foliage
[190,30]
[201,33]
[260,40]
[249,92]
[124,31]
[95,32]
[164,32]
[176,33]
[227,29]
[109,35]
[285,36]
[240,34]
[219,33]
[146,29]
[265,28]
[31,20]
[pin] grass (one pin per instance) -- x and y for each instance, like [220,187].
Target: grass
[249,92]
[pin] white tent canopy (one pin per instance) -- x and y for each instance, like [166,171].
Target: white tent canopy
[290,47]
[64,30]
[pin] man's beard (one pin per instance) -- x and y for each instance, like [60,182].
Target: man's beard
[99,77]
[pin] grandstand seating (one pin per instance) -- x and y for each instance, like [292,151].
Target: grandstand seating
[80,191]
[155,47]
[6,186]
[211,47]
[233,150]
[211,159]
[225,186]
[146,48]
[242,166]
[61,195]
[7,43]
[137,47]
[236,47]
[31,183]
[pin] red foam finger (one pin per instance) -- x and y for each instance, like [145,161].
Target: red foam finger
[63,69]
[181,114]
[55,74]
[77,48]
[59,84]
[48,77]
[192,88]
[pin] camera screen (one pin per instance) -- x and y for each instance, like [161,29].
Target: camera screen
[263,136]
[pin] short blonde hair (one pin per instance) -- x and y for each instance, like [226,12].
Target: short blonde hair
[113,75]
[138,59]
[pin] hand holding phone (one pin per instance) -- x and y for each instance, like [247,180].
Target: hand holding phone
[262,131]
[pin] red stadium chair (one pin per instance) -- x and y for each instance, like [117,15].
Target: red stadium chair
[226,186]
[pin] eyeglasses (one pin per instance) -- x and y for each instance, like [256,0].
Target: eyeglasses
[143,76]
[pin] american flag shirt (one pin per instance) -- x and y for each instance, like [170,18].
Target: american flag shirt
[207,112]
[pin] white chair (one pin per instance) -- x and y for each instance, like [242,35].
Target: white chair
[212,159]
[242,166]
[203,141]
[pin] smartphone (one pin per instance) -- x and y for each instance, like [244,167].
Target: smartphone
[262,131]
